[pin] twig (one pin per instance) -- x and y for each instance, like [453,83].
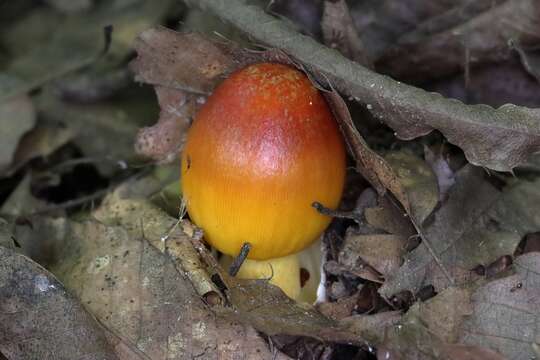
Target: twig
[352,215]
[239,260]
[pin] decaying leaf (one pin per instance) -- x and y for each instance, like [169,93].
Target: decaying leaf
[381,23]
[432,51]
[40,319]
[494,85]
[193,63]
[427,328]
[390,218]
[505,311]
[477,225]
[383,252]
[138,293]
[339,32]
[162,142]
[418,182]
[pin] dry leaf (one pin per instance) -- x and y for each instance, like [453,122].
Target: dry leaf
[383,252]
[188,62]
[435,51]
[477,225]
[505,311]
[426,328]
[340,33]
[163,141]
[494,85]
[381,23]
[40,319]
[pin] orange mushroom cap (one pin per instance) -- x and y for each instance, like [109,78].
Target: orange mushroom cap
[262,149]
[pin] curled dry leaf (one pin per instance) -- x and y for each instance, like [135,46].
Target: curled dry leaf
[40,319]
[162,141]
[510,134]
[188,62]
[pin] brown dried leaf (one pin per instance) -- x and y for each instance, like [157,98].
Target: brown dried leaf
[506,311]
[162,142]
[381,23]
[437,52]
[426,328]
[188,62]
[139,293]
[389,217]
[407,177]
[40,319]
[340,33]
[477,225]
[383,252]
[494,85]
[418,182]
[368,163]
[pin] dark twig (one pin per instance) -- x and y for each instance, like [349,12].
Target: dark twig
[352,215]
[239,260]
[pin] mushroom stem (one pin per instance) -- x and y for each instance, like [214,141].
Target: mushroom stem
[283,272]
